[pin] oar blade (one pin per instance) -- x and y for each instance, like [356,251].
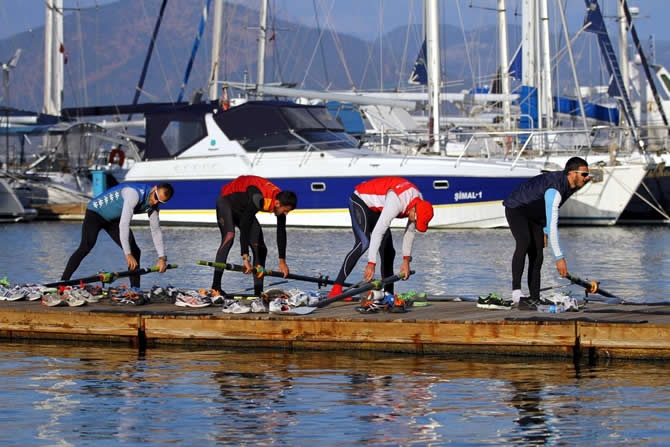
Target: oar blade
[592,287]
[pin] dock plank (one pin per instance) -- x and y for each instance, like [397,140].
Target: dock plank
[598,331]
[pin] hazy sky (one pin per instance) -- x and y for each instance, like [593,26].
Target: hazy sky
[365,18]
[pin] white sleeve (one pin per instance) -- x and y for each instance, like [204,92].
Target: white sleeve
[408,238]
[156,233]
[130,200]
[392,208]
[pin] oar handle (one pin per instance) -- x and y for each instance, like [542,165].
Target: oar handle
[222,265]
[371,285]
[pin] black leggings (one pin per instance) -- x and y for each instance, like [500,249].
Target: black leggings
[227,221]
[363,221]
[529,237]
[90,229]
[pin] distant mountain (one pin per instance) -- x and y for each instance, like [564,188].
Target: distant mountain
[106,48]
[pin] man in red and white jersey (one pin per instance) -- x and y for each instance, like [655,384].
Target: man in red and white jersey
[373,205]
[237,206]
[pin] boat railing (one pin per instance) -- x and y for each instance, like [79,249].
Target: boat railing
[521,144]
[307,147]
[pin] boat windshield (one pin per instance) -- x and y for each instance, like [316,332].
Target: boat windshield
[256,125]
[272,126]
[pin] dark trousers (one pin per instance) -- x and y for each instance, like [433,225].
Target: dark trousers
[363,221]
[529,237]
[227,220]
[90,229]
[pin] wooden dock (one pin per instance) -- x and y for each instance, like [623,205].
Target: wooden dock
[595,332]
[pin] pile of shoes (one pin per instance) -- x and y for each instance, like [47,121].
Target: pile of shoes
[29,292]
[563,302]
[69,296]
[378,300]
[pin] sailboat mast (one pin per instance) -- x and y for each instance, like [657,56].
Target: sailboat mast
[216,51]
[433,54]
[47,106]
[547,101]
[262,30]
[504,64]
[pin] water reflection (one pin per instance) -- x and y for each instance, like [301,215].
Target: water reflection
[72,395]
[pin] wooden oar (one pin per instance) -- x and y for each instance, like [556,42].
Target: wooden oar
[371,285]
[260,271]
[591,286]
[107,277]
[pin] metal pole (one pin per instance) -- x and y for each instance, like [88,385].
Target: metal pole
[6,73]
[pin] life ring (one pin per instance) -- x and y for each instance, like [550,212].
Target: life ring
[117,156]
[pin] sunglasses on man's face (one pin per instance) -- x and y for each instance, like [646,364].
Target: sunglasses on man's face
[583,173]
[157,198]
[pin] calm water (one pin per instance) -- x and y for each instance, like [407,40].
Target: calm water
[631,262]
[105,395]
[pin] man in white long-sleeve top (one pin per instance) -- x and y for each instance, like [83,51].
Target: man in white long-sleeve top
[112,211]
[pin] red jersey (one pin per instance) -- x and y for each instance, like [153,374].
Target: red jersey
[373,192]
[268,189]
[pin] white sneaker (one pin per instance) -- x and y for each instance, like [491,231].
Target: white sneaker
[297,298]
[236,308]
[258,306]
[279,305]
[188,300]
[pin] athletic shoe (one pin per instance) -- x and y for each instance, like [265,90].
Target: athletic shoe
[74,300]
[368,305]
[15,293]
[412,297]
[493,301]
[217,300]
[192,300]
[236,308]
[85,295]
[53,300]
[36,291]
[258,306]
[528,303]
[132,296]
[279,305]
[297,297]
[398,305]
[128,301]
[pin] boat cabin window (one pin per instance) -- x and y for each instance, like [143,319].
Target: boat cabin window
[279,126]
[180,135]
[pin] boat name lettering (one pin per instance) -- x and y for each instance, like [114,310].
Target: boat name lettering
[468,195]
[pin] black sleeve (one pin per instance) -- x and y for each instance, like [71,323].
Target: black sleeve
[281,236]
